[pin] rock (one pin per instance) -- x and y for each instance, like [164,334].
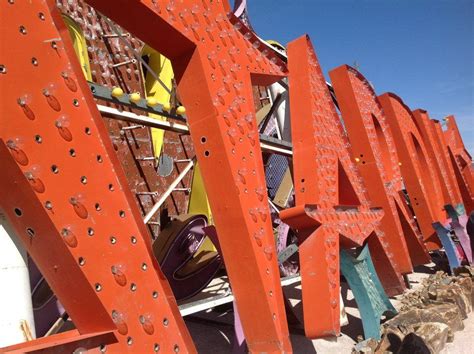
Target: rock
[366,346]
[434,334]
[466,285]
[452,293]
[391,340]
[464,270]
[413,344]
[446,313]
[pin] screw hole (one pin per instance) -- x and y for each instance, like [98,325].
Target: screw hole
[113,240]
[165,322]
[34,61]
[72,152]
[176,348]
[87,130]
[155,294]
[98,287]
[54,169]
[97,207]
[144,266]
[84,180]
[203,139]
[133,239]
[75,102]
[111,187]
[3,69]
[103,348]
[41,16]
[133,287]
[156,347]
[99,159]
[30,232]
[22,29]
[121,213]
[206,153]
[81,261]
[18,212]
[129,341]
[38,139]
[90,231]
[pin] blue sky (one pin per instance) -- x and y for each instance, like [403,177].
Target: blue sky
[422,50]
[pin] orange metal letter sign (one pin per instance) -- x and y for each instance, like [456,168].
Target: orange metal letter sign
[66,196]
[215,65]
[331,206]
[375,152]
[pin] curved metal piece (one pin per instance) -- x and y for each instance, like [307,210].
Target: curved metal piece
[368,291]
[187,269]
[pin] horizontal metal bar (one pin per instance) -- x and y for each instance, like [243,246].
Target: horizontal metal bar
[267,143]
[104,93]
[142,120]
[217,300]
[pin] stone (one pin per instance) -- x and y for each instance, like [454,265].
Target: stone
[391,340]
[446,313]
[413,344]
[365,347]
[434,334]
[465,283]
[452,293]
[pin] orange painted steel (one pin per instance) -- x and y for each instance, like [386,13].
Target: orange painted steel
[374,149]
[67,197]
[331,205]
[432,135]
[461,161]
[215,65]
[418,170]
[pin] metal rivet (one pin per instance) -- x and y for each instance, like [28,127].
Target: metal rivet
[34,61]
[144,266]
[99,159]
[87,130]
[54,169]
[133,239]
[97,207]
[156,347]
[98,287]
[72,152]
[129,341]
[48,205]
[113,240]
[121,213]
[155,294]
[22,29]
[165,322]
[133,287]
[41,16]
[81,261]
[176,348]
[111,187]
[38,139]
[90,231]
[84,180]
[75,102]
